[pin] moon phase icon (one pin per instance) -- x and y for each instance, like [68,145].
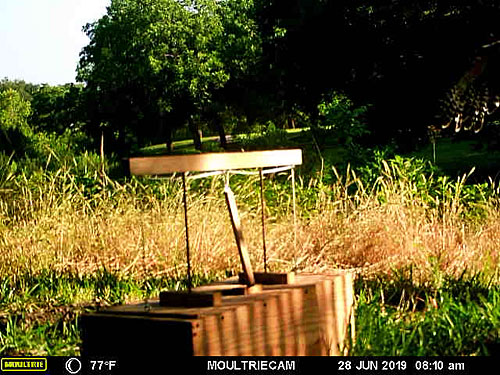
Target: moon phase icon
[73,365]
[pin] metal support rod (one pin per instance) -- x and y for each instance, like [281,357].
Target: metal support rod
[184,188]
[263,216]
[294,220]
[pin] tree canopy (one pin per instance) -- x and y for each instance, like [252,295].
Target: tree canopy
[153,66]
[14,128]
[399,56]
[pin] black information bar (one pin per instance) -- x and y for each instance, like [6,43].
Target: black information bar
[248,365]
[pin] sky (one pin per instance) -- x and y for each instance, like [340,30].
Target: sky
[40,40]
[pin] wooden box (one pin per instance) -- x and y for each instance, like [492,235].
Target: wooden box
[309,316]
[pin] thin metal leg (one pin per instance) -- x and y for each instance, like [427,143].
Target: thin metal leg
[263,216]
[184,188]
[294,220]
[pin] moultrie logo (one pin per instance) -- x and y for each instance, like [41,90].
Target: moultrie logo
[21,364]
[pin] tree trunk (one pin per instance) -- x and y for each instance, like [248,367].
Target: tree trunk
[169,141]
[222,134]
[196,132]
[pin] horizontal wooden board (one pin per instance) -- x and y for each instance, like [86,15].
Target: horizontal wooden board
[131,337]
[230,289]
[270,278]
[159,165]
[193,299]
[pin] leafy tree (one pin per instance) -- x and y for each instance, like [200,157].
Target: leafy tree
[153,66]
[57,108]
[14,129]
[240,51]
[24,89]
[150,65]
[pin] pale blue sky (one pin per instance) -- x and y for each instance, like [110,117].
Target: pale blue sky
[40,40]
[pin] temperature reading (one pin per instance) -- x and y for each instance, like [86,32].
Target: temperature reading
[102,365]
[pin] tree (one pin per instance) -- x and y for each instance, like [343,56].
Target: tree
[400,56]
[14,129]
[240,51]
[57,108]
[150,65]
[23,88]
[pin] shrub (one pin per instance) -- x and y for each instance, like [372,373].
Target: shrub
[339,115]
[15,133]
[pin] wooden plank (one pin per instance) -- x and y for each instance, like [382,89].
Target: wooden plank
[159,165]
[130,336]
[226,290]
[270,278]
[242,326]
[238,234]
[153,310]
[186,299]
[230,290]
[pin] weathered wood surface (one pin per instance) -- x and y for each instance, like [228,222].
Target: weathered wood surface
[193,299]
[231,289]
[160,165]
[312,316]
[238,235]
[269,278]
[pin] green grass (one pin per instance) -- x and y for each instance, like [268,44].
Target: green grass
[40,313]
[367,215]
[396,317]
[211,143]
[458,157]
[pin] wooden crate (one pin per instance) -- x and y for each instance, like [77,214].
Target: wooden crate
[310,316]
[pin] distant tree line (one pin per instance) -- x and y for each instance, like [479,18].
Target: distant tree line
[153,67]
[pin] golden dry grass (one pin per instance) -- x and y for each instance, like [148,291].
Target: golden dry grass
[348,231]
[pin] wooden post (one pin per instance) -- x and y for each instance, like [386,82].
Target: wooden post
[238,234]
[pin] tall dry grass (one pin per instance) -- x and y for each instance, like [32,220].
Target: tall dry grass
[137,229]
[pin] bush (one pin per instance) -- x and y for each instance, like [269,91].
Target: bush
[338,115]
[15,133]
[419,180]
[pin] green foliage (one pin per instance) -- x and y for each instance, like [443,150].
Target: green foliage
[14,129]
[240,47]
[57,108]
[398,317]
[151,64]
[43,309]
[383,162]
[48,152]
[376,55]
[23,88]
[418,179]
[31,149]
[265,136]
[340,116]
